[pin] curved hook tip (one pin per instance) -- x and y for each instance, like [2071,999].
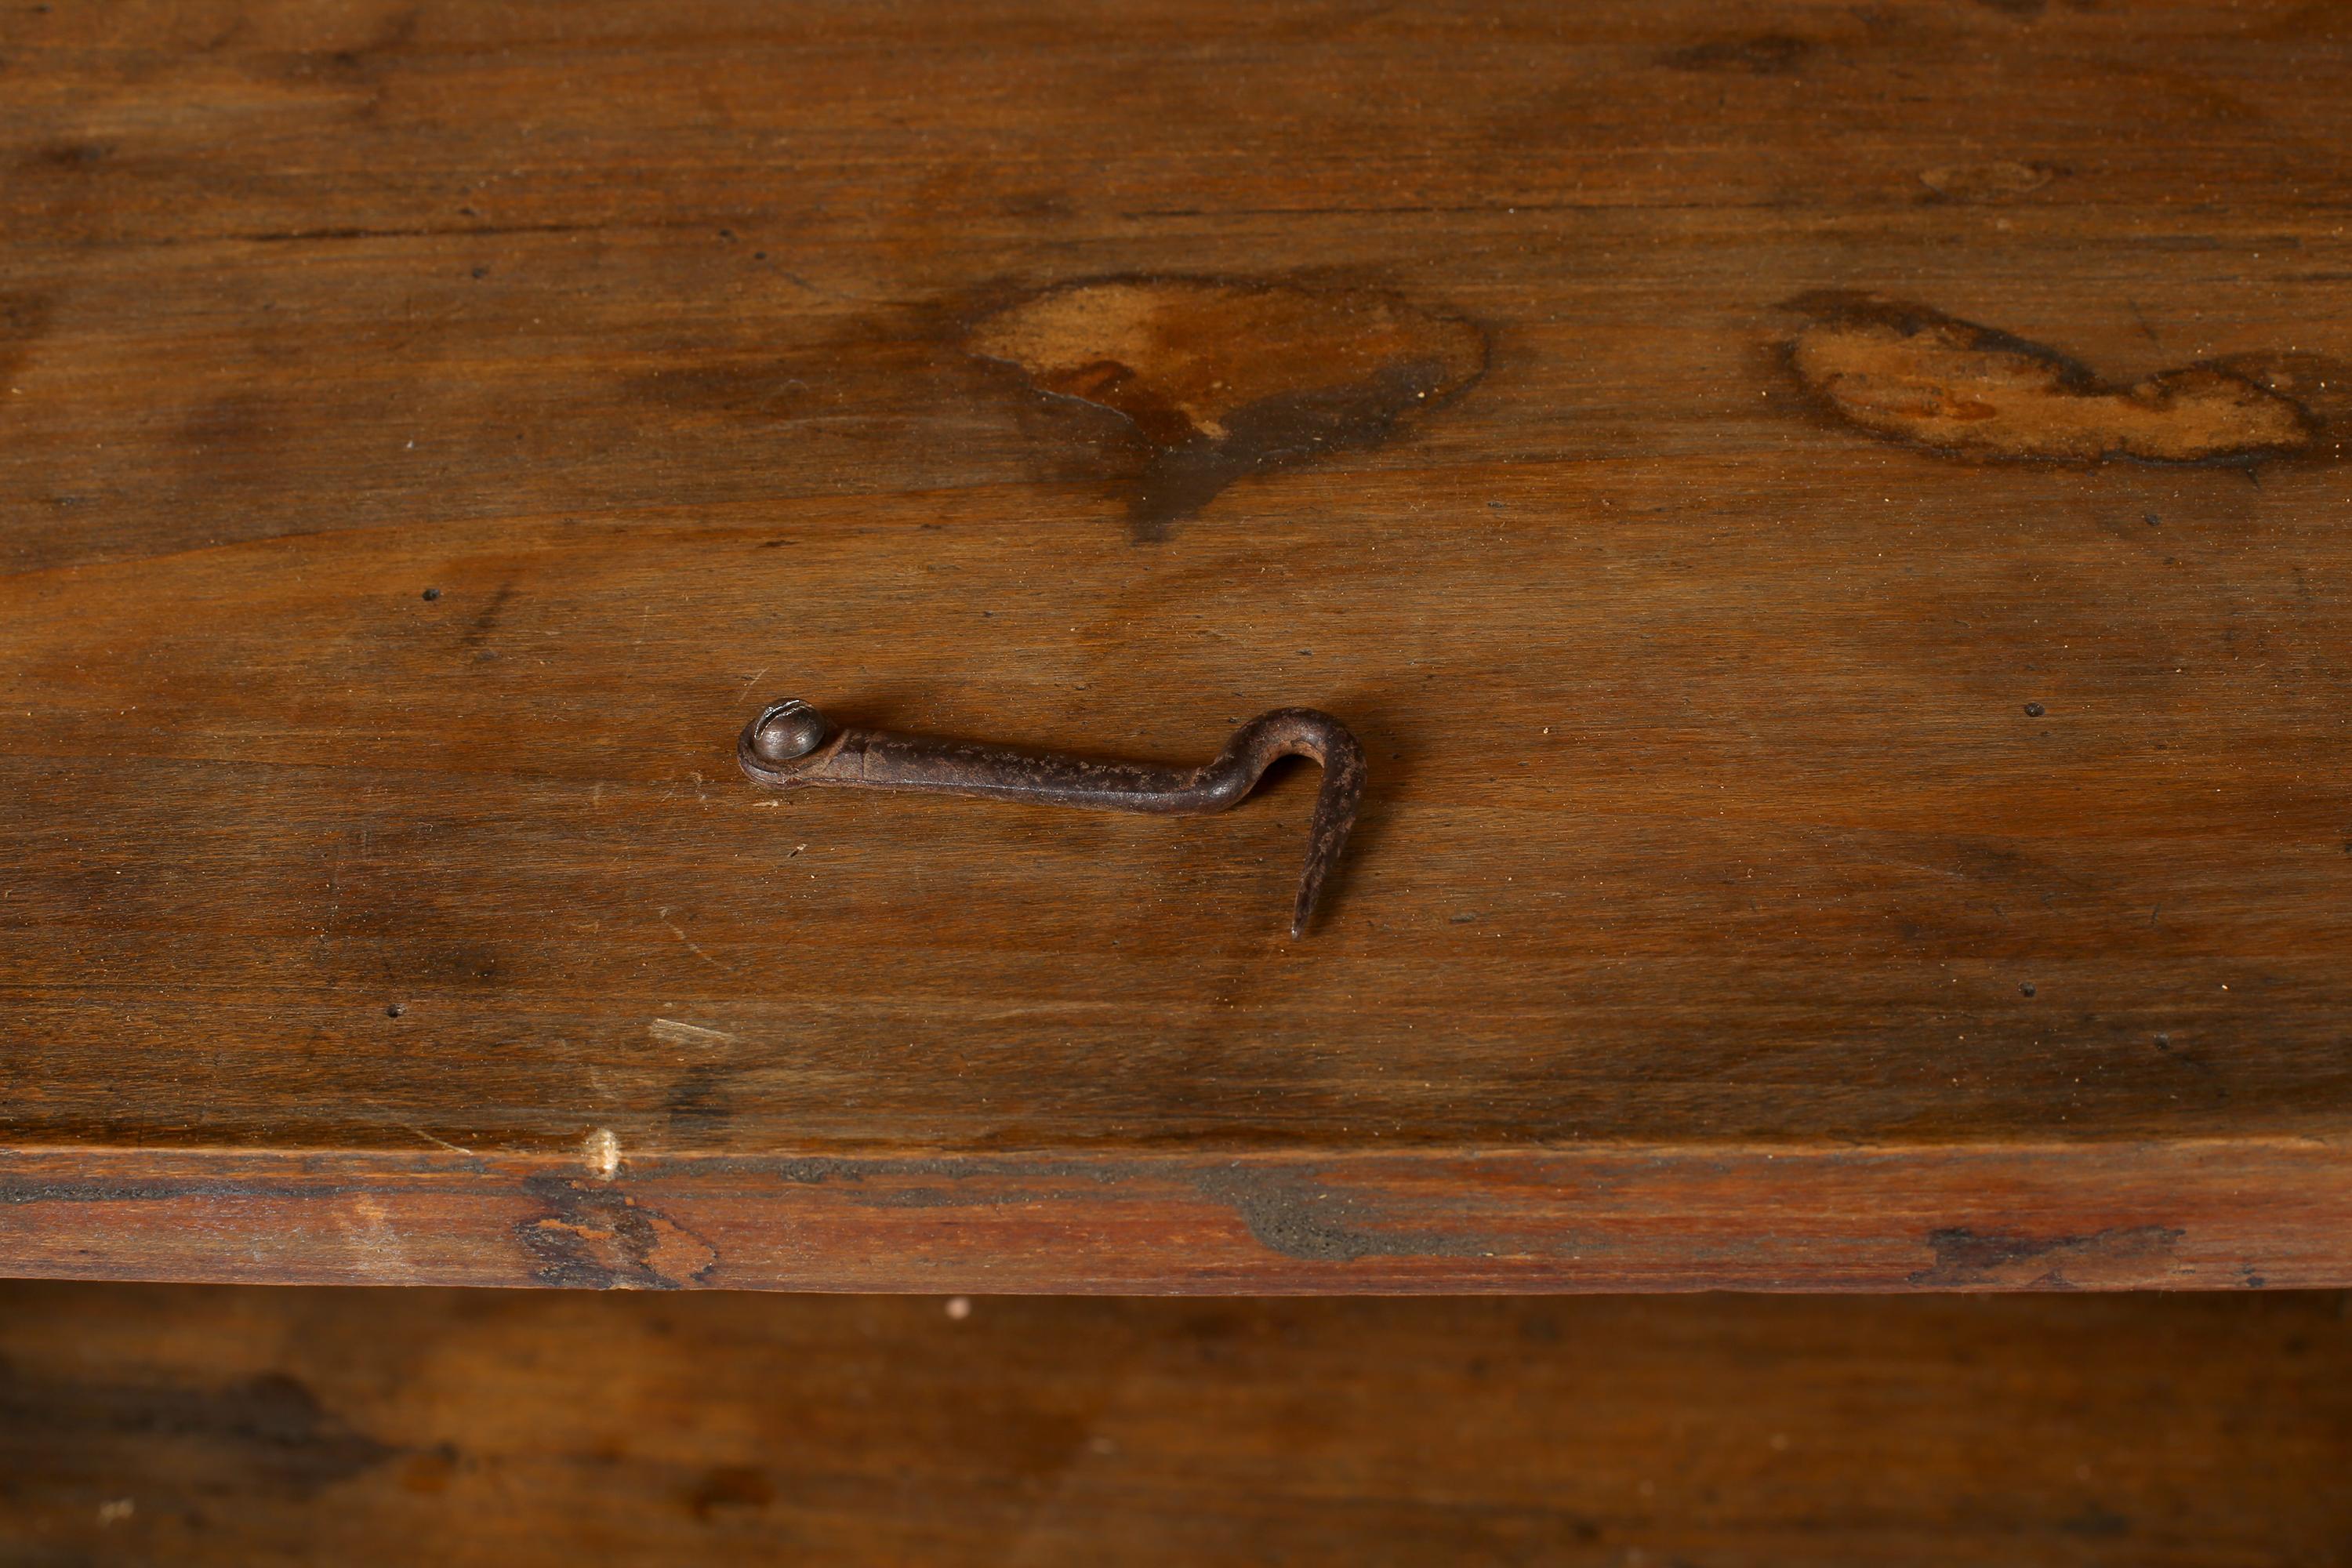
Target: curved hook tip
[1332,744]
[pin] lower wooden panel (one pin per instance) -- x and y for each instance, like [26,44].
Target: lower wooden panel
[250,1425]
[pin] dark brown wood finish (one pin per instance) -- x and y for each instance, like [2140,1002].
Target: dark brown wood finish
[201,1425]
[1840,815]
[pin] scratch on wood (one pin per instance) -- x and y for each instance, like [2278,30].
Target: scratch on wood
[429,1137]
[678,932]
[671,1032]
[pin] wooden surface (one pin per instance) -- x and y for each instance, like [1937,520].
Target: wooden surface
[196,1425]
[1830,523]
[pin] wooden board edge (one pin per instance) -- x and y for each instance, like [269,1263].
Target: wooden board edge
[2207,1214]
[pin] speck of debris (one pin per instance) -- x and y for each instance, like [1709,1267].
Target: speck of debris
[481,272]
[1459,919]
[2026,989]
[726,234]
[759,256]
[2036,710]
[959,1308]
[394,1010]
[431,594]
[2163,1042]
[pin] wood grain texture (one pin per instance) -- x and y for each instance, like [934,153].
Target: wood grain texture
[429,432]
[194,1426]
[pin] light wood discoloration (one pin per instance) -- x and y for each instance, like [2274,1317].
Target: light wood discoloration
[1912,373]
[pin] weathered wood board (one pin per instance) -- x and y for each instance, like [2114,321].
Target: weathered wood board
[195,1425]
[1831,522]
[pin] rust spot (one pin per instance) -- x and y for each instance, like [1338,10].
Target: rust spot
[2130,1256]
[1910,373]
[1996,181]
[1223,379]
[599,1238]
[1767,54]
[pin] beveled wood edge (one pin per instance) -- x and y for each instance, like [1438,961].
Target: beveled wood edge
[2216,1214]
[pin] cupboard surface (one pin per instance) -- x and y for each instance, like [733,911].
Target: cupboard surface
[1830,523]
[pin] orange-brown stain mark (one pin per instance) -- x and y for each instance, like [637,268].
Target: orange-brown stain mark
[1913,373]
[1999,180]
[2122,1256]
[1223,379]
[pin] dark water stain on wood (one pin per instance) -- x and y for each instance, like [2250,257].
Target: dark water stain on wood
[269,1431]
[2125,1256]
[701,1099]
[729,1486]
[361,62]
[486,621]
[1766,54]
[599,1238]
[1292,1213]
[72,157]
[1224,379]
[1910,373]
[23,319]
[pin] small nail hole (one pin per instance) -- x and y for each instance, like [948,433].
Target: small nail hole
[2034,711]
[394,1010]
[431,594]
[2026,989]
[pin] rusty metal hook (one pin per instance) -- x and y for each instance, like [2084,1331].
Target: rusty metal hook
[790,745]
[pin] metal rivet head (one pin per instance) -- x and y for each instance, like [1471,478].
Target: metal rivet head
[787,729]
